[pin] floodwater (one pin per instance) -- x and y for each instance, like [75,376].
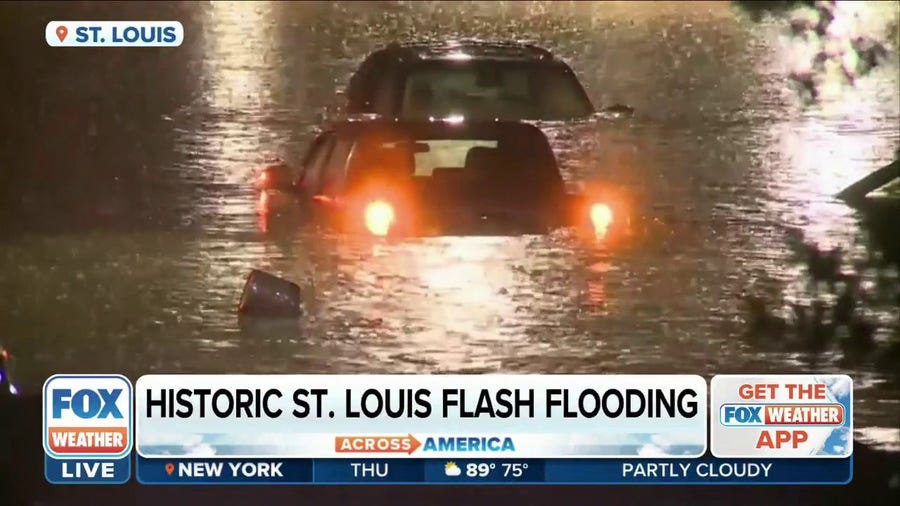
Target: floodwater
[130,224]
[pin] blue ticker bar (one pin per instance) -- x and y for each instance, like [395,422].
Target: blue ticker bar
[702,471]
[76,471]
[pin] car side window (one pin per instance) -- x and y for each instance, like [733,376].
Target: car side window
[314,162]
[364,83]
[383,96]
[357,91]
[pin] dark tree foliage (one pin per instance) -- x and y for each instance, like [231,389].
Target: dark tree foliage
[870,53]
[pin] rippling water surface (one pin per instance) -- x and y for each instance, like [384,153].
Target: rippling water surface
[132,225]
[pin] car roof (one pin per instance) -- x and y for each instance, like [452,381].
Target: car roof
[437,129]
[471,48]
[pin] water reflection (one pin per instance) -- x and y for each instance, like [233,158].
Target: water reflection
[238,40]
[823,160]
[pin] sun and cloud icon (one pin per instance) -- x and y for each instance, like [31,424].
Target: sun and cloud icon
[451,469]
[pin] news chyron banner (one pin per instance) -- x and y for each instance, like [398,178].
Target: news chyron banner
[449,429]
[408,429]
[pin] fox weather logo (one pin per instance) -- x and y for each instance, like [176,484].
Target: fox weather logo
[88,434]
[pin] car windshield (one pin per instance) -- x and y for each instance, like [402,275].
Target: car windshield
[494,89]
[448,154]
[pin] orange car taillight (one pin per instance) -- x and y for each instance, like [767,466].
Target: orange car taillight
[379,216]
[601,217]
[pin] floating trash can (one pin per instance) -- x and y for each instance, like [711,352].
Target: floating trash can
[268,295]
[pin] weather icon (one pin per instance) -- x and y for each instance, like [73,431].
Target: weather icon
[451,469]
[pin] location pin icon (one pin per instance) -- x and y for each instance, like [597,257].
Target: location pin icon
[61,32]
[170,467]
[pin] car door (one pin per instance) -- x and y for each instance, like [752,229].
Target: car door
[334,171]
[313,165]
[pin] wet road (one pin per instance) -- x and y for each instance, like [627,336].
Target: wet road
[129,223]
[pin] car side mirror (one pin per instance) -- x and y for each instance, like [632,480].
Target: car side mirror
[614,111]
[275,177]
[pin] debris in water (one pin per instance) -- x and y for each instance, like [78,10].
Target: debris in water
[268,295]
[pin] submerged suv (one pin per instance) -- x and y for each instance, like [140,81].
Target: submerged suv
[467,79]
[427,178]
